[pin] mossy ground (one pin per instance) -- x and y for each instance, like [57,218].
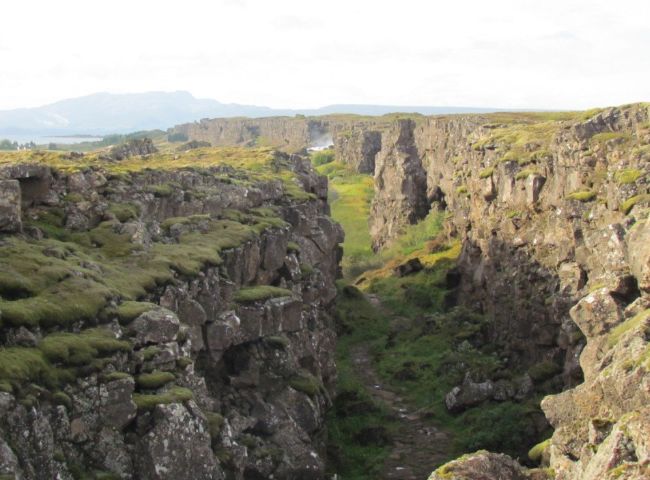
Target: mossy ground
[350,197]
[70,279]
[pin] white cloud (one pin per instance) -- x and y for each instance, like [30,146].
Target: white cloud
[291,53]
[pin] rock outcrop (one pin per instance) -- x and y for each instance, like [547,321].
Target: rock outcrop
[168,322]
[553,218]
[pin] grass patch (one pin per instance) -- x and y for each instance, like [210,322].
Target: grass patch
[628,176]
[124,211]
[154,380]
[582,196]
[59,359]
[486,173]
[536,453]
[629,204]
[79,349]
[130,310]
[260,293]
[525,173]
[173,395]
[305,382]
[628,325]
[350,198]
[322,157]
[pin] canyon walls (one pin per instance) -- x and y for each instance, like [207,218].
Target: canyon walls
[165,317]
[553,216]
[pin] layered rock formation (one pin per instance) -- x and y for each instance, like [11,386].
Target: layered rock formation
[552,213]
[165,318]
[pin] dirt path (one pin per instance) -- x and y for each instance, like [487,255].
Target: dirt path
[418,446]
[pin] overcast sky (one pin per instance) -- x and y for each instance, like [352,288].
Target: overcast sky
[301,53]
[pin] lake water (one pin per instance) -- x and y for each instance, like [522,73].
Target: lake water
[44,140]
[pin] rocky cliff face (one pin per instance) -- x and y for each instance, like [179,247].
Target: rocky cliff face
[552,213]
[165,317]
[289,133]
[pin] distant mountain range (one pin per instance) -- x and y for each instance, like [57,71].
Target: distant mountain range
[103,113]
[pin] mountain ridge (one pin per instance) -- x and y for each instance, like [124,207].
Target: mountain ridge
[103,113]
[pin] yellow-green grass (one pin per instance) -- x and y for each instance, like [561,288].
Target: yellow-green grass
[631,202]
[58,359]
[350,198]
[173,395]
[260,293]
[628,176]
[582,195]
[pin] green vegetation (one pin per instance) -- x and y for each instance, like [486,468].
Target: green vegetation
[629,204]
[128,311]
[305,382]
[582,195]
[486,173]
[350,197]
[608,136]
[59,359]
[536,453]
[628,325]
[353,408]
[173,395]
[260,293]
[154,380]
[322,157]
[525,173]
[124,211]
[461,190]
[628,176]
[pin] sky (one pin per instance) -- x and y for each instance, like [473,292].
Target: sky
[546,54]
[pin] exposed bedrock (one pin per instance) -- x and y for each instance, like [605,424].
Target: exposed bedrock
[553,219]
[226,372]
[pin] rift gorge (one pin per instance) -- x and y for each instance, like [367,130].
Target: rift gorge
[459,297]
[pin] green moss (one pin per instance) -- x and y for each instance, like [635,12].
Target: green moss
[608,136]
[582,195]
[160,190]
[462,190]
[124,211]
[191,220]
[293,247]
[183,362]
[486,173]
[62,398]
[628,325]
[525,173]
[215,423]
[260,293]
[536,453]
[80,349]
[173,395]
[322,157]
[128,311]
[629,204]
[114,376]
[628,176]
[305,382]
[154,380]
[544,370]
[150,352]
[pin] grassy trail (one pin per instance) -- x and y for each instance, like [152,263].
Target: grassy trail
[401,347]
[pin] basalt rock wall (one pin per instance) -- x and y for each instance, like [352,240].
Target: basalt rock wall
[553,219]
[212,376]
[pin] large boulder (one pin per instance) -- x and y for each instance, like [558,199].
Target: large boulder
[178,446]
[481,465]
[155,326]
